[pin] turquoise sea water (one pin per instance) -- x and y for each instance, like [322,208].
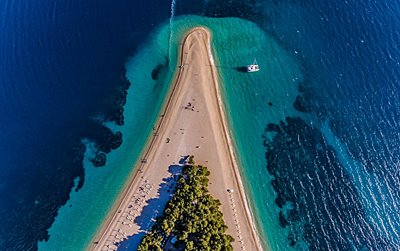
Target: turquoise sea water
[254,100]
[235,43]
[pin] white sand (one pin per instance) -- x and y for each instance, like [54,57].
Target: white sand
[200,130]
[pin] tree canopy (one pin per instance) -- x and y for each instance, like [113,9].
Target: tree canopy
[191,218]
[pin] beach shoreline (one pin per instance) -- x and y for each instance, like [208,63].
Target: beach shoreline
[136,168]
[232,148]
[198,37]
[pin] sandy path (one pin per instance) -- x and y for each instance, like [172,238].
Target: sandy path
[192,122]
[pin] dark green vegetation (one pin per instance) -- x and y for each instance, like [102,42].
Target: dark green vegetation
[191,217]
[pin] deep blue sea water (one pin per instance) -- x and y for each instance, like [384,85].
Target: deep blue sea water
[337,171]
[61,64]
[349,54]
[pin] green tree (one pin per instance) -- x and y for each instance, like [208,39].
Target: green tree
[192,216]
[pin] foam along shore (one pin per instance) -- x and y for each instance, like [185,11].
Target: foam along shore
[192,121]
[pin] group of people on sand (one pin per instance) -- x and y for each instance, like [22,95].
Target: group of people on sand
[189,106]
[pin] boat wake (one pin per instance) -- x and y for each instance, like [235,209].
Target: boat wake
[171,20]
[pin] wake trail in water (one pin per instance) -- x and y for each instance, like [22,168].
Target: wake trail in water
[171,20]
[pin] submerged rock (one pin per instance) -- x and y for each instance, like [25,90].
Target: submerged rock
[99,160]
[116,140]
[282,220]
[156,72]
[301,105]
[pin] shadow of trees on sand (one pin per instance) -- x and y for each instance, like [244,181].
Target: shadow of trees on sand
[154,207]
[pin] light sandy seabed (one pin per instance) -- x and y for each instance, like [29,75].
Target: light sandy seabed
[200,130]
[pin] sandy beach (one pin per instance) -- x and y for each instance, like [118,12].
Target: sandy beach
[192,122]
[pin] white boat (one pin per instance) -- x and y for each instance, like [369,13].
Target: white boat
[253,67]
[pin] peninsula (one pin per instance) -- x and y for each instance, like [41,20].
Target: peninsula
[192,121]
